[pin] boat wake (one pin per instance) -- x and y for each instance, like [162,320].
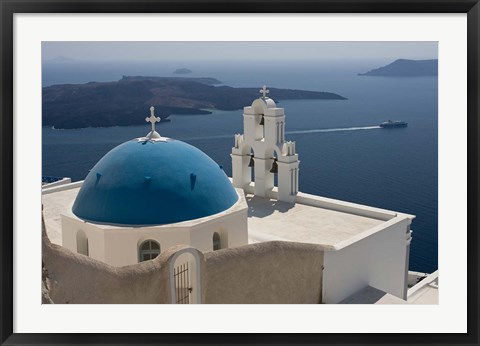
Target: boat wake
[296,132]
[340,129]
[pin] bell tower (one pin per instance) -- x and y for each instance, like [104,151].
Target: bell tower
[261,152]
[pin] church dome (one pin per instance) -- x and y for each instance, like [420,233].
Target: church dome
[152,182]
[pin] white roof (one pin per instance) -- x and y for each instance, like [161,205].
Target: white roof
[333,227]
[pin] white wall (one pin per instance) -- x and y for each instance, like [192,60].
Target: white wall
[52,189]
[377,260]
[232,228]
[237,231]
[346,207]
[121,245]
[57,183]
[118,246]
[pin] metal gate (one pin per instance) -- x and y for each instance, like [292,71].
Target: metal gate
[182,284]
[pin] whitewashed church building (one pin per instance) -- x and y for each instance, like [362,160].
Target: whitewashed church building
[151,193]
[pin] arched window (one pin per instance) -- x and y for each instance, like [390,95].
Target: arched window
[82,243]
[149,249]
[216,241]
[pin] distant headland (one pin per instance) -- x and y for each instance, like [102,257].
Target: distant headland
[182,70]
[126,101]
[406,68]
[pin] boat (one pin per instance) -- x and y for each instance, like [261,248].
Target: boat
[393,123]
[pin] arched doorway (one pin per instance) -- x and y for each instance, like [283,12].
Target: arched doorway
[185,277]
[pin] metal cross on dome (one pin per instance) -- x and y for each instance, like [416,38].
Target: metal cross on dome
[264,91]
[152,119]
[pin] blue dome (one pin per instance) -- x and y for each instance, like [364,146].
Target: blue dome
[152,183]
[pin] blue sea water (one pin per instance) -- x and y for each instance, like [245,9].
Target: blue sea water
[343,153]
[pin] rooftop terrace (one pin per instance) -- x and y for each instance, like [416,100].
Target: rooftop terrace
[313,219]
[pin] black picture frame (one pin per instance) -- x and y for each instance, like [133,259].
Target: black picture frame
[10,7]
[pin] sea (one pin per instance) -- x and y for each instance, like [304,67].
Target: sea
[343,152]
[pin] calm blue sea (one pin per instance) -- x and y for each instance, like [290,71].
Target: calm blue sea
[393,169]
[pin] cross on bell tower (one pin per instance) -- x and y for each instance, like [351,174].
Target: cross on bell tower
[264,91]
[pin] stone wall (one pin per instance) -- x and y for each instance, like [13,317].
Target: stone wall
[70,278]
[271,272]
[265,273]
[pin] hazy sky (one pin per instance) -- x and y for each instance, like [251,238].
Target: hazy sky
[204,51]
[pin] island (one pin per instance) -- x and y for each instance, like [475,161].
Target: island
[60,60]
[406,68]
[182,70]
[125,102]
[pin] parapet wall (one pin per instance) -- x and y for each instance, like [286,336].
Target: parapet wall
[265,273]
[272,272]
[70,278]
[332,204]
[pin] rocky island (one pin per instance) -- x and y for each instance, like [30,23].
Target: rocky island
[122,103]
[182,70]
[406,68]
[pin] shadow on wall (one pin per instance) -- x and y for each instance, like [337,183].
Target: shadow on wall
[271,272]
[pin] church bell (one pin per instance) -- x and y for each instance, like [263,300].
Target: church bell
[262,121]
[252,162]
[274,167]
